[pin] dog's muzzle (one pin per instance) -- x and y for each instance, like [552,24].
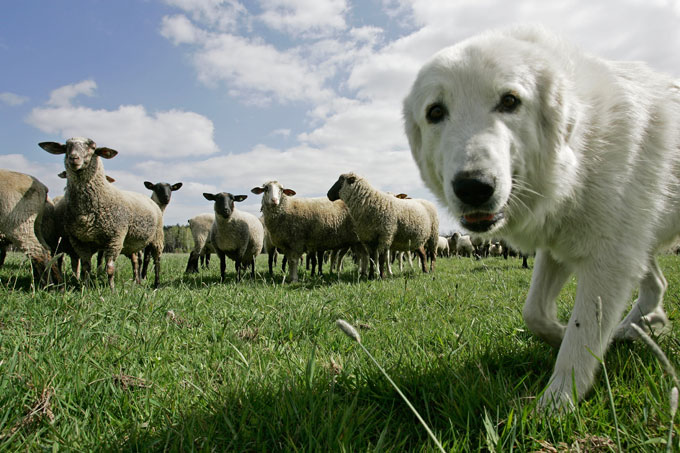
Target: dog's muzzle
[475,190]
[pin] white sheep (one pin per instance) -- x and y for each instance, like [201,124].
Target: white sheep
[299,225]
[495,249]
[384,222]
[23,202]
[234,233]
[200,226]
[442,246]
[99,216]
[464,245]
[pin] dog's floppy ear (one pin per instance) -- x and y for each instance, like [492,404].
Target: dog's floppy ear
[557,114]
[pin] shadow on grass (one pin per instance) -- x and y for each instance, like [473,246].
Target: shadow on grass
[338,411]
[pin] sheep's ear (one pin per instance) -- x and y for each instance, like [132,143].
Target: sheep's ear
[176,186]
[53,147]
[240,197]
[110,179]
[62,175]
[148,185]
[106,153]
[402,196]
[289,192]
[209,196]
[257,190]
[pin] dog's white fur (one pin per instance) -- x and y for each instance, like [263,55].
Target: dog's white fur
[586,172]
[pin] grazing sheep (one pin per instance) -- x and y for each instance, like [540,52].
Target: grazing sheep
[162,192]
[384,222]
[99,216]
[23,202]
[236,234]
[200,226]
[299,225]
[464,246]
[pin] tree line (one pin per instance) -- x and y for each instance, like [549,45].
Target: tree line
[178,239]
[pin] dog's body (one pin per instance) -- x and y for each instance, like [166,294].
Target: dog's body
[578,158]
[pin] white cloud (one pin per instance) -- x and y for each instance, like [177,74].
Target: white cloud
[61,97]
[12,99]
[180,30]
[223,15]
[304,17]
[130,128]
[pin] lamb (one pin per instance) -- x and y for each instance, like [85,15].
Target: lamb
[384,222]
[200,226]
[161,194]
[23,201]
[99,216]
[299,225]
[236,234]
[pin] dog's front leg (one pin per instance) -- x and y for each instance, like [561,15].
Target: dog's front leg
[600,299]
[540,309]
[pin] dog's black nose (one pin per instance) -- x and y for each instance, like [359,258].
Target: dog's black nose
[473,188]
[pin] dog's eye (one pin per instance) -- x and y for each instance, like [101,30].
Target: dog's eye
[508,104]
[435,113]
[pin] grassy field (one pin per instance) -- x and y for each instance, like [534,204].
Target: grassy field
[260,366]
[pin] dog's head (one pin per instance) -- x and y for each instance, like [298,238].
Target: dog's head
[489,122]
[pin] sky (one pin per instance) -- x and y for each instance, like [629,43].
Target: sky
[224,95]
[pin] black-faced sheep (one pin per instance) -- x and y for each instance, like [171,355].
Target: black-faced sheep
[234,233]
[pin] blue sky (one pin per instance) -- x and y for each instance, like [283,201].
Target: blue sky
[225,95]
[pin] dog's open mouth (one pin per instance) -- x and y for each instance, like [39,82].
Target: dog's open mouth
[480,222]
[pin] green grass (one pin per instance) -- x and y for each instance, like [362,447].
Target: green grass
[260,366]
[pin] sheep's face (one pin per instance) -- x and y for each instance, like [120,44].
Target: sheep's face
[162,191]
[344,181]
[78,152]
[273,192]
[224,202]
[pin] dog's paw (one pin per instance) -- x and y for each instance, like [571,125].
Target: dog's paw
[655,323]
[557,398]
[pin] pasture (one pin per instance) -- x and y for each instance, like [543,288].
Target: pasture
[198,365]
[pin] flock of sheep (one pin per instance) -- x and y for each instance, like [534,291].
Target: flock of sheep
[95,217]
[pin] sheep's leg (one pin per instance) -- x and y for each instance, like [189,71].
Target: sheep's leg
[134,259]
[293,260]
[600,300]
[147,258]
[237,266]
[373,256]
[252,269]
[423,259]
[270,262]
[192,264]
[3,255]
[223,264]
[319,260]
[157,251]
[647,312]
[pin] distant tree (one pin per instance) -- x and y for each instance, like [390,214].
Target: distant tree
[177,239]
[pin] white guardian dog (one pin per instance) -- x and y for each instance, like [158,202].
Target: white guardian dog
[525,137]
